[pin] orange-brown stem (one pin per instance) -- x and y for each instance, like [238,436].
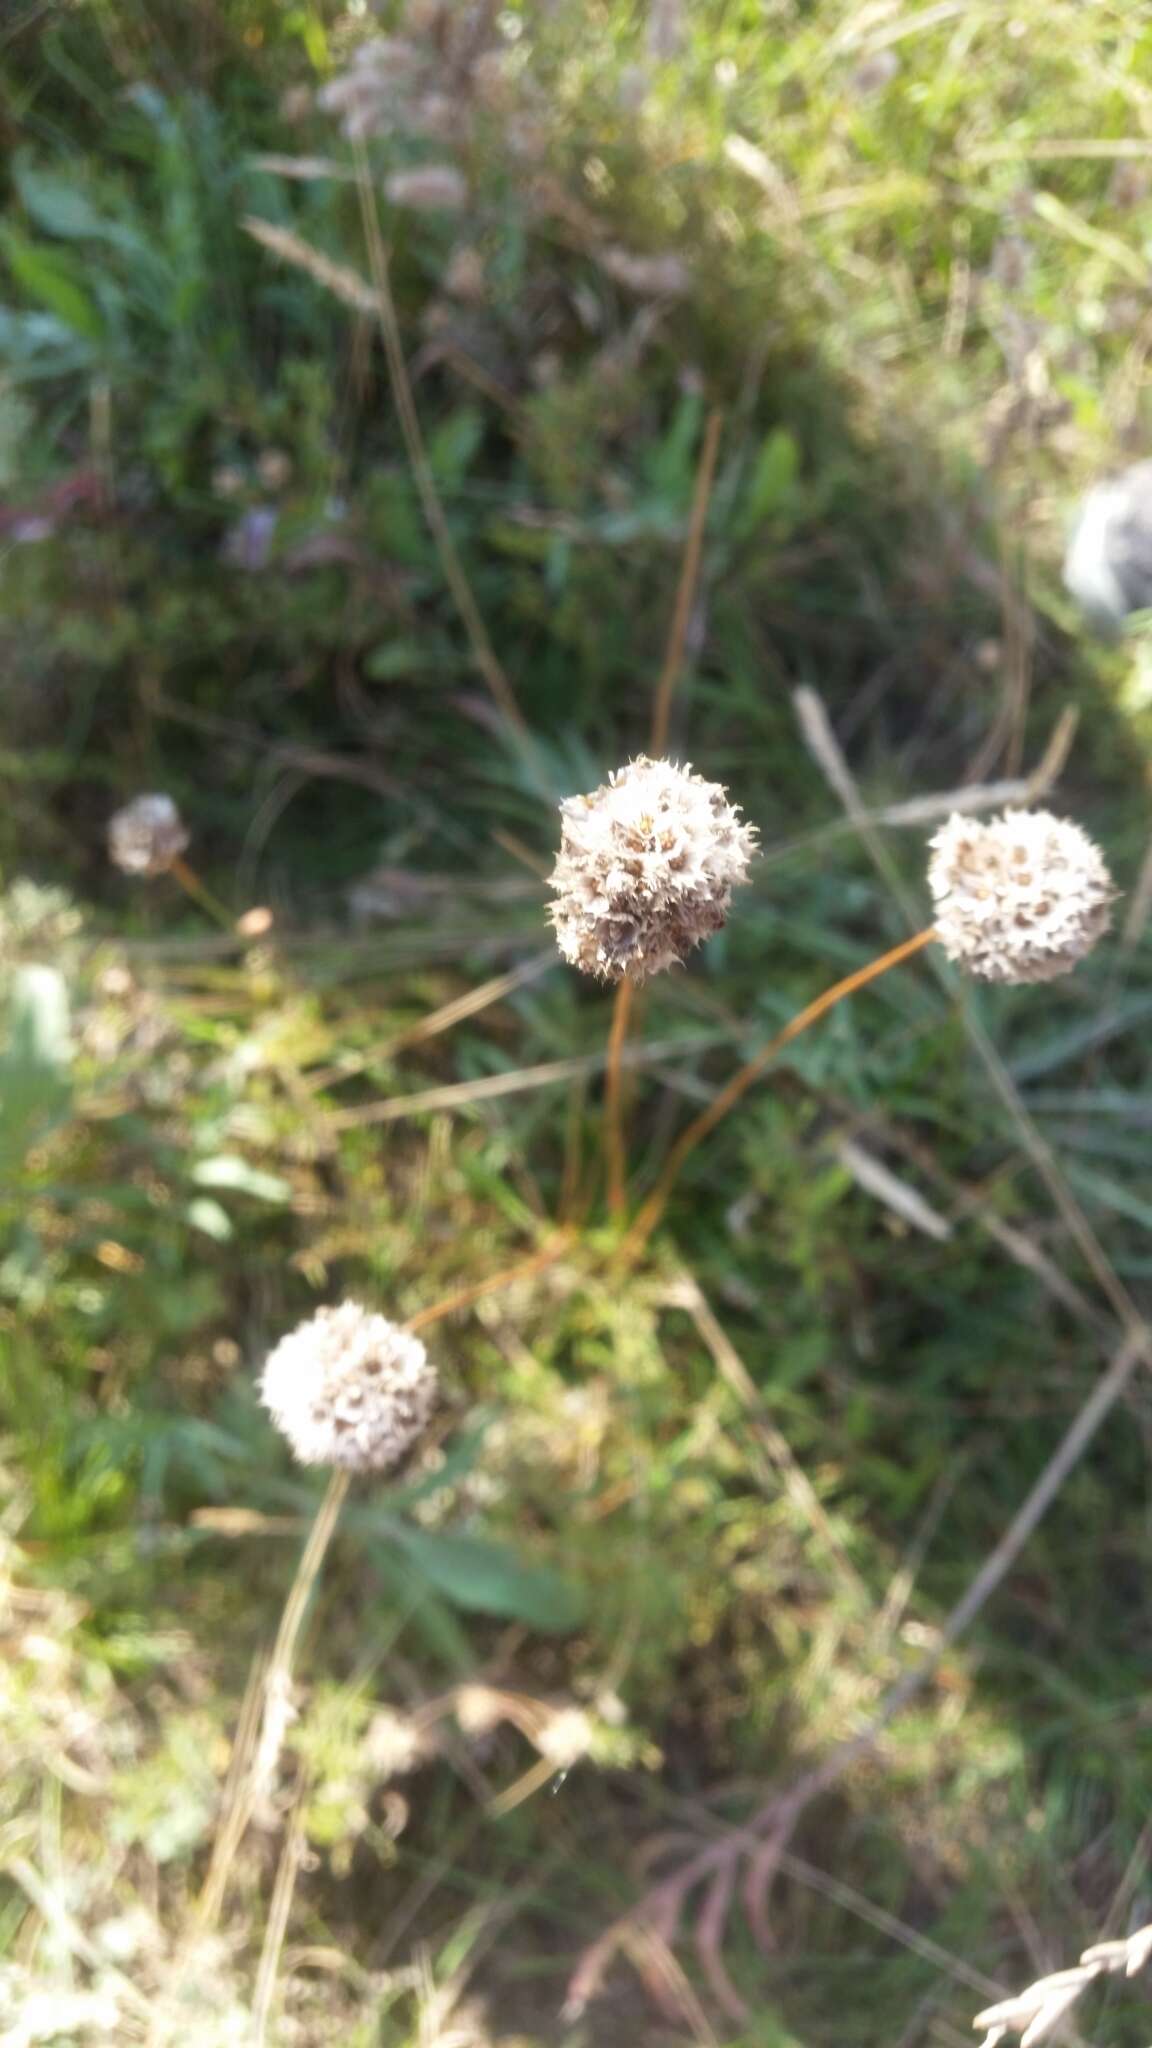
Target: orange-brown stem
[615,1144]
[686,588]
[192,886]
[650,1213]
[506,1277]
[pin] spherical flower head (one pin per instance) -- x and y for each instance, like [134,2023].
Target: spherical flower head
[646,870]
[349,1388]
[1018,898]
[147,837]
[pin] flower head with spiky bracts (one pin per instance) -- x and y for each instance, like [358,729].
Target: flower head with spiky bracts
[349,1388]
[646,869]
[1018,898]
[147,836]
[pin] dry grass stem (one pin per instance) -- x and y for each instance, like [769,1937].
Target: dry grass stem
[904,1201]
[260,1736]
[483,652]
[376,300]
[291,1856]
[445,1018]
[686,588]
[519,1080]
[508,1276]
[686,1294]
[1035,2013]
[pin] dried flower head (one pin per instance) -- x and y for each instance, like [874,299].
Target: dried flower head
[1019,898]
[147,837]
[349,1388]
[646,869]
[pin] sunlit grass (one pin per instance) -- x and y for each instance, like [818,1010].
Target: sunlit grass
[913,240]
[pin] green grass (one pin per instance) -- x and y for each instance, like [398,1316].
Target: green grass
[920,311]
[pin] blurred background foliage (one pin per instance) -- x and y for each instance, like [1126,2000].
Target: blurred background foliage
[905,251]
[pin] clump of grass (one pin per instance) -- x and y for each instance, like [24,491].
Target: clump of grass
[729,1492]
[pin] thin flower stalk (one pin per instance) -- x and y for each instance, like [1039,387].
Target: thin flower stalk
[615,1139]
[652,1210]
[265,1730]
[615,1134]
[148,838]
[200,894]
[1022,898]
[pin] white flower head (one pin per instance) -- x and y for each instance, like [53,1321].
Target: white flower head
[349,1388]
[1018,898]
[646,869]
[147,837]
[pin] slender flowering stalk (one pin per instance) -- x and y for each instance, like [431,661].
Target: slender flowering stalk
[147,838]
[615,1150]
[354,1391]
[1020,899]
[615,1141]
[645,872]
[649,1215]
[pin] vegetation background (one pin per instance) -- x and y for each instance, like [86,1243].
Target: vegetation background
[678,1533]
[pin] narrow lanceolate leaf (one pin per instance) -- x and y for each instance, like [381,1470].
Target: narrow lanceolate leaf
[487,1578]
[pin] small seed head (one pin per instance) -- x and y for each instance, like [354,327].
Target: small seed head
[1018,898]
[349,1388]
[147,837]
[646,869]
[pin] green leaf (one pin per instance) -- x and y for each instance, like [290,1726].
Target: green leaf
[453,445]
[772,483]
[39,345]
[51,278]
[56,203]
[1061,1047]
[487,1578]
[397,660]
[17,421]
[670,468]
[228,1170]
[1100,1187]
